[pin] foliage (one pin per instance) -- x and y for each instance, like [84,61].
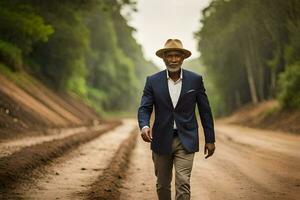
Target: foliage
[84,47]
[245,45]
[289,80]
[196,65]
[10,54]
[21,27]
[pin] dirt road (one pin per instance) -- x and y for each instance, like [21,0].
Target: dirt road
[247,164]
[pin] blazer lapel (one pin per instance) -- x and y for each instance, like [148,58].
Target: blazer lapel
[184,86]
[166,89]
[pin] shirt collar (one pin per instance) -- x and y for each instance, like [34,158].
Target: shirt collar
[168,77]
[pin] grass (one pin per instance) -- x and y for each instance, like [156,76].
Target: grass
[18,77]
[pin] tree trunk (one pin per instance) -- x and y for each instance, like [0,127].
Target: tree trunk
[250,78]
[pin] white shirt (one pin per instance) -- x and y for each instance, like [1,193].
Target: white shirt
[174,90]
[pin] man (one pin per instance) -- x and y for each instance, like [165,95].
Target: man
[174,93]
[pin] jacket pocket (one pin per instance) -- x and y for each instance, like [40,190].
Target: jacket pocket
[189,91]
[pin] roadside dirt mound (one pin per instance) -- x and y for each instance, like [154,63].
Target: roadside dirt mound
[267,115]
[73,108]
[27,105]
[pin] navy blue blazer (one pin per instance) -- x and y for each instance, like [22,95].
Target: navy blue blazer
[156,93]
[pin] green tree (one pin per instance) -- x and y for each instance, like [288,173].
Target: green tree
[243,45]
[21,27]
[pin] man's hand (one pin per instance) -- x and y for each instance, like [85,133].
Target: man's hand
[146,134]
[210,149]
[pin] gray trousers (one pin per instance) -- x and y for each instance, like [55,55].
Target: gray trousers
[163,165]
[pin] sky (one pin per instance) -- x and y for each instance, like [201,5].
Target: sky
[158,20]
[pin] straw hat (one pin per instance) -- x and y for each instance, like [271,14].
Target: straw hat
[173,44]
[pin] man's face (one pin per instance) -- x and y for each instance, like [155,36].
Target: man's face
[173,60]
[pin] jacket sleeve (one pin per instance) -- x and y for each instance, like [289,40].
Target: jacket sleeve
[146,106]
[205,113]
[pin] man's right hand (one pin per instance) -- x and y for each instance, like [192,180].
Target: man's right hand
[146,134]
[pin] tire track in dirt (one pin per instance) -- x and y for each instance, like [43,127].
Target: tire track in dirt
[20,163]
[140,180]
[107,186]
[8,147]
[71,175]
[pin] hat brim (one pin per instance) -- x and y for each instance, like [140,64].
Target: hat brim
[160,52]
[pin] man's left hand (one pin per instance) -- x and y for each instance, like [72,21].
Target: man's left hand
[210,149]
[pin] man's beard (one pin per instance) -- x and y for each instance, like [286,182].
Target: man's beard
[173,69]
